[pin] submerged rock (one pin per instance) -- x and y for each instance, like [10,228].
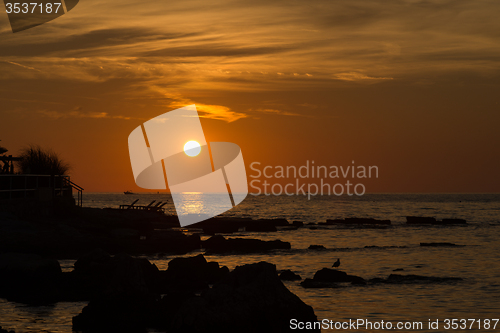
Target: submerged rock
[328,278]
[445,244]
[219,244]
[411,278]
[453,221]
[316,247]
[358,221]
[432,220]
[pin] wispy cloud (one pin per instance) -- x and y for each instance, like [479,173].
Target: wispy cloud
[234,46]
[355,76]
[219,112]
[77,112]
[275,112]
[26,67]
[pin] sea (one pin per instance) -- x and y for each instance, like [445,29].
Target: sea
[368,252]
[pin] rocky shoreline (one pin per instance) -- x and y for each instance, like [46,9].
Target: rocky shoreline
[130,294]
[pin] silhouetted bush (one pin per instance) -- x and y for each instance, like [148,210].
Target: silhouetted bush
[3,150]
[38,161]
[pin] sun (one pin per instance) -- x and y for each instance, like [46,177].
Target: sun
[192,148]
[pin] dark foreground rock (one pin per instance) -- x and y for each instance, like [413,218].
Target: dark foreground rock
[219,244]
[5,331]
[29,278]
[115,231]
[249,299]
[192,273]
[98,273]
[327,277]
[288,275]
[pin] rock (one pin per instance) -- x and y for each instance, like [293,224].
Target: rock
[385,247]
[397,278]
[261,226]
[452,221]
[276,222]
[218,244]
[329,278]
[398,270]
[220,225]
[251,294]
[316,247]
[221,229]
[334,275]
[127,312]
[5,331]
[411,278]
[288,275]
[359,220]
[438,244]
[92,262]
[29,278]
[334,221]
[193,273]
[432,220]
[126,303]
[298,223]
[124,233]
[97,274]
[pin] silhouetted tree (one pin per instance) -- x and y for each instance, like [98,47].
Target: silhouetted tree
[38,161]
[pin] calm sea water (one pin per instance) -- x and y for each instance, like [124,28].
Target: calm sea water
[366,252]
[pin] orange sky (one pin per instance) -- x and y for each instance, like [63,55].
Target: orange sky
[409,86]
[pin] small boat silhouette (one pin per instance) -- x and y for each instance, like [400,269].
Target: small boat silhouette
[127,192]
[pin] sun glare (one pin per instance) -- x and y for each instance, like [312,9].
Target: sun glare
[192,148]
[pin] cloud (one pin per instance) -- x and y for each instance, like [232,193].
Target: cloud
[263,46]
[78,112]
[218,112]
[277,112]
[27,67]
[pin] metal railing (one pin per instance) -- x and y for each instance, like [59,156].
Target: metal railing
[79,189]
[26,186]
